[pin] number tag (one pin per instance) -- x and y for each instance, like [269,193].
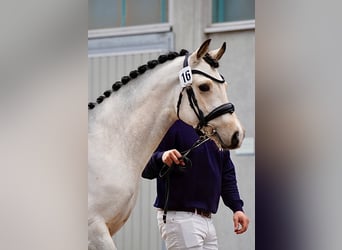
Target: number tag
[185,76]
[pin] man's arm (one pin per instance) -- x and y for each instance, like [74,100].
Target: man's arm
[153,166]
[230,192]
[163,155]
[231,197]
[160,158]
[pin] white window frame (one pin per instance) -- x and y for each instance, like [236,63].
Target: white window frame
[129,30]
[230,26]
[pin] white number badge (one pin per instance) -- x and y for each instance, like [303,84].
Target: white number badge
[185,76]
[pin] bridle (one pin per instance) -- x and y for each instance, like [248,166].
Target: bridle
[203,121]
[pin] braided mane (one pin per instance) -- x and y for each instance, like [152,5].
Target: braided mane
[135,73]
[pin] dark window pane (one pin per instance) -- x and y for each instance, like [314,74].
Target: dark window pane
[233,10]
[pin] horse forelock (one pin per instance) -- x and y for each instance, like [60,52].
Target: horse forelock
[211,61]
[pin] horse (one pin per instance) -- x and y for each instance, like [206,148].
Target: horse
[127,123]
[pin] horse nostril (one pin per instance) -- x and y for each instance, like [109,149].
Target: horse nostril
[235,139]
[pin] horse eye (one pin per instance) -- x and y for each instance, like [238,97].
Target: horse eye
[204,87]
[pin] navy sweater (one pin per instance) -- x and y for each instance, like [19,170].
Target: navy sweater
[200,186]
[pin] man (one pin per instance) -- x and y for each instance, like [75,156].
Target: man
[188,192]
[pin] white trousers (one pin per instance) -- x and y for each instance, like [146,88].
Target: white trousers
[186,230]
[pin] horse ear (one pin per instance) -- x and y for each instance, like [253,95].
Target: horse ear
[217,54]
[203,49]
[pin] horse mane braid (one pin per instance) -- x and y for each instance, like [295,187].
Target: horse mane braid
[135,73]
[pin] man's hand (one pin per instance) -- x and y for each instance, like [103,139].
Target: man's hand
[241,222]
[172,156]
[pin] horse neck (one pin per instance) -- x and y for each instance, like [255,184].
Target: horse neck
[134,119]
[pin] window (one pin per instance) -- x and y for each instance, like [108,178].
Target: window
[104,14]
[232,10]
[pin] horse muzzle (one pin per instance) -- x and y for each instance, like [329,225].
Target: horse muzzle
[223,140]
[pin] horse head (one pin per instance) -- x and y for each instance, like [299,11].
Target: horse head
[207,107]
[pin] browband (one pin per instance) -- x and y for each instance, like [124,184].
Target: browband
[195,71]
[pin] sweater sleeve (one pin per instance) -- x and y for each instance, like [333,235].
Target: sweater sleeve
[155,163]
[153,166]
[230,192]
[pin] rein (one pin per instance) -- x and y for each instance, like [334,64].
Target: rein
[216,112]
